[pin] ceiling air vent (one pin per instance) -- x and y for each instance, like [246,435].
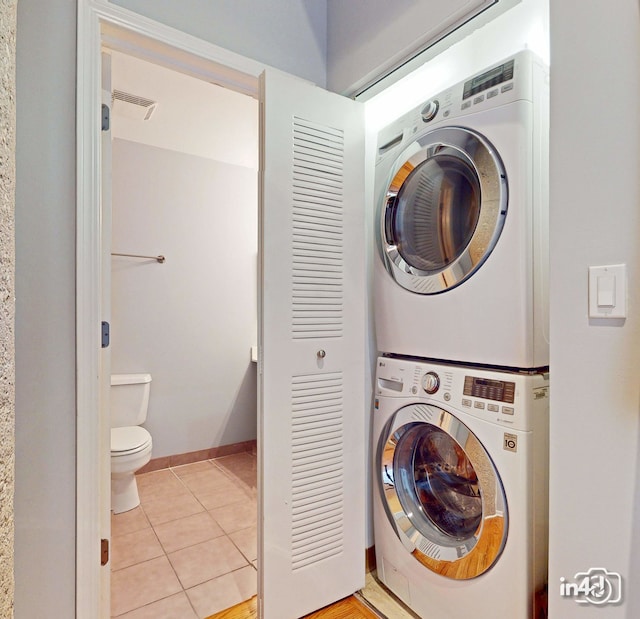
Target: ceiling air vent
[132,106]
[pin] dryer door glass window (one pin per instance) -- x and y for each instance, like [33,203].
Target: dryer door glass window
[443,211]
[437,212]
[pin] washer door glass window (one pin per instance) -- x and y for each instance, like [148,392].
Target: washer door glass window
[440,479]
[444,209]
[442,492]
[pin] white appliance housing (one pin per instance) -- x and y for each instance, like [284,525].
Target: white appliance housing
[438,431]
[461,272]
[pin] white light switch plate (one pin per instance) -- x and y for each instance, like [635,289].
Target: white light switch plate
[608,291]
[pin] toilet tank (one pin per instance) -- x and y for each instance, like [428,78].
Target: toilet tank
[129,399]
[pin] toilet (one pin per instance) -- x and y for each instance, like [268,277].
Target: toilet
[130,443]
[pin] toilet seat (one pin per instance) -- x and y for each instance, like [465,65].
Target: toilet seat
[129,440]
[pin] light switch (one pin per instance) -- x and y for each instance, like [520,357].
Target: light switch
[608,291]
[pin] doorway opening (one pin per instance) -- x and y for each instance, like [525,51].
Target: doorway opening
[117,30]
[184,161]
[312,189]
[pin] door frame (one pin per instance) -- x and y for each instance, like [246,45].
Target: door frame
[100,22]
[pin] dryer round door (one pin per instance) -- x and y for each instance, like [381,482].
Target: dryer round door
[444,209]
[441,491]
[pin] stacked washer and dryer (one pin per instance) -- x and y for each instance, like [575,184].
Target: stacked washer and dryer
[460,421]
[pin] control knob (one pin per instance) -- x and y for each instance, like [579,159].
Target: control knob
[430,110]
[431,382]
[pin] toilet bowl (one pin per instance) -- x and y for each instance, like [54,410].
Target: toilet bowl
[131,444]
[130,451]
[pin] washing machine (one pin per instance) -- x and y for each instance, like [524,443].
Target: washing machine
[461,272]
[460,488]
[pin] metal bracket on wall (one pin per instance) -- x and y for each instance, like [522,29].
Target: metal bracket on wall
[104,551]
[105,334]
[105,117]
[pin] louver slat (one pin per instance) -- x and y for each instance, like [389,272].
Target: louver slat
[317,492]
[317,260]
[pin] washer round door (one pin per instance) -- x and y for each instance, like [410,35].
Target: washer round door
[444,209]
[441,491]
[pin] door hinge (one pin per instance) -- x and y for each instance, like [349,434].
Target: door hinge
[105,117]
[105,334]
[104,552]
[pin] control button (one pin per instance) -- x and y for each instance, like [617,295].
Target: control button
[431,382]
[492,93]
[479,99]
[466,403]
[414,390]
[465,105]
[478,405]
[507,410]
[430,110]
[494,408]
[506,87]
[447,396]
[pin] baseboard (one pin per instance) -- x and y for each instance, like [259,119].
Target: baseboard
[155,464]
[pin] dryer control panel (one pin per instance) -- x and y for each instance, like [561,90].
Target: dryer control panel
[510,80]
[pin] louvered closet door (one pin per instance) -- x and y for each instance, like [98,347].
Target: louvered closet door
[311,358]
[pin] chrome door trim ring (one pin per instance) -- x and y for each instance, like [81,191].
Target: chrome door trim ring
[478,153]
[459,560]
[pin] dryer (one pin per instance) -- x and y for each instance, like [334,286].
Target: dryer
[460,488]
[461,272]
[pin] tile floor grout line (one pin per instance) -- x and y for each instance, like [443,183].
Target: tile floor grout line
[136,564]
[249,561]
[184,590]
[154,602]
[224,470]
[243,486]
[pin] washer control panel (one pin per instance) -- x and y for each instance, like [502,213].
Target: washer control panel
[506,398]
[489,389]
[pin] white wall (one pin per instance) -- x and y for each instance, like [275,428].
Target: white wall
[190,321]
[193,198]
[287,34]
[368,38]
[191,116]
[45,310]
[595,220]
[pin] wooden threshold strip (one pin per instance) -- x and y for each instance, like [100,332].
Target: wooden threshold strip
[348,608]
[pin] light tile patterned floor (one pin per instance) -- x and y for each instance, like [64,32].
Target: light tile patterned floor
[190,549]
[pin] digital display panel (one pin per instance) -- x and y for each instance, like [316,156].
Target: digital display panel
[490,78]
[497,390]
